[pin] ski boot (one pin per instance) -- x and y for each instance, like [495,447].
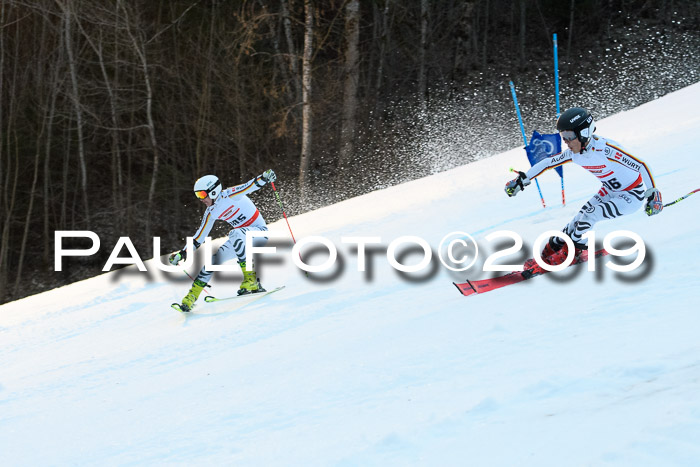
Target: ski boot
[251,283]
[559,256]
[192,295]
[554,255]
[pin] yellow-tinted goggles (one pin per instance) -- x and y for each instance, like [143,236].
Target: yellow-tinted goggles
[201,194]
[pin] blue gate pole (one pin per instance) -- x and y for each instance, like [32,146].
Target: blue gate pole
[556,94]
[556,74]
[522,130]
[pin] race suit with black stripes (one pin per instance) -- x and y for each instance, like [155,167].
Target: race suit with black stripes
[624,177]
[234,207]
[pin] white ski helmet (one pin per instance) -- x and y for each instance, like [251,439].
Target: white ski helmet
[207,185]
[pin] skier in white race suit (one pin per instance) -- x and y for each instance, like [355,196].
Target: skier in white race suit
[233,206]
[627,182]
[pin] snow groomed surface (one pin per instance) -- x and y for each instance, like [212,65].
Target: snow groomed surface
[383,368]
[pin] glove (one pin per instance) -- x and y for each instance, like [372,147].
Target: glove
[268,176]
[177,257]
[654,204]
[518,184]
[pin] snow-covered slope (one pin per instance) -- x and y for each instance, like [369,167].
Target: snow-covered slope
[378,367]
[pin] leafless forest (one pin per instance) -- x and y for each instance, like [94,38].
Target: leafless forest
[110,109]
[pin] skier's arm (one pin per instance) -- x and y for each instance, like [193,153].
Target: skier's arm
[199,237]
[518,184]
[253,185]
[553,162]
[654,203]
[647,177]
[523,179]
[631,162]
[203,231]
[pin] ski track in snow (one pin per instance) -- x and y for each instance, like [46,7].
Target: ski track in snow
[376,367]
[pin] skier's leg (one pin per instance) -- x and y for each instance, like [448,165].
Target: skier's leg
[602,206]
[234,247]
[226,252]
[192,295]
[555,251]
[589,214]
[237,237]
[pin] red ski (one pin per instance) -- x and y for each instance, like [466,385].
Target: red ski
[486,285]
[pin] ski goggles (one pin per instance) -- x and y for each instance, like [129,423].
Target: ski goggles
[567,135]
[201,194]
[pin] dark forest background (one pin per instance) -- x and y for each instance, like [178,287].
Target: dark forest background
[111,109]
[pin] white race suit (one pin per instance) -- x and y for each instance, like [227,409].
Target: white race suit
[234,207]
[625,179]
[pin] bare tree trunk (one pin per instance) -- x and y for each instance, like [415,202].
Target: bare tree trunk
[307,115]
[523,24]
[30,206]
[240,145]
[46,124]
[117,187]
[63,222]
[486,34]
[5,211]
[2,90]
[474,56]
[383,43]
[293,59]
[47,158]
[119,182]
[149,116]
[278,54]
[571,32]
[205,101]
[75,96]
[2,87]
[422,78]
[129,165]
[352,77]
[12,196]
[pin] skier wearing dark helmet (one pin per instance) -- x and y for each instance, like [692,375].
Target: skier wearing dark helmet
[627,182]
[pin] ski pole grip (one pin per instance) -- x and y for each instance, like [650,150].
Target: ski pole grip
[522,175]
